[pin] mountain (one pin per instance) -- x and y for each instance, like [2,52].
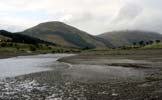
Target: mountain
[20,38]
[65,35]
[121,38]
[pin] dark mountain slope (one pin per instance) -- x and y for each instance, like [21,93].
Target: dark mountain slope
[20,38]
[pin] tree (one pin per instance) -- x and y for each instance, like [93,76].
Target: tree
[10,44]
[4,44]
[18,47]
[151,42]
[32,48]
[158,41]
[147,43]
[86,48]
[134,43]
[141,43]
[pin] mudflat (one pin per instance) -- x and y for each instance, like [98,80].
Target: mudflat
[93,75]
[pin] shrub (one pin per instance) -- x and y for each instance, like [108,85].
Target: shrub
[4,44]
[32,48]
[158,41]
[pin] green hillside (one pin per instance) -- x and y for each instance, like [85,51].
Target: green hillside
[20,38]
[15,43]
[122,38]
[65,35]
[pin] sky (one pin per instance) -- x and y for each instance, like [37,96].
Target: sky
[92,16]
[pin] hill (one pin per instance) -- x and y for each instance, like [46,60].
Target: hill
[122,38]
[20,38]
[65,35]
[17,44]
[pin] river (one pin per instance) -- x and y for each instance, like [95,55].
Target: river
[21,65]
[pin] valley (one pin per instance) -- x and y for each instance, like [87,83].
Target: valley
[80,50]
[55,61]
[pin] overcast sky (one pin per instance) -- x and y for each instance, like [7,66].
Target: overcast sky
[92,16]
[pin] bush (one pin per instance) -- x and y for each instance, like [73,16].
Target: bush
[158,41]
[3,44]
[32,48]
[10,44]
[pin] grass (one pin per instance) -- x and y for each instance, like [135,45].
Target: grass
[154,46]
[131,65]
[122,52]
[153,78]
[38,48]
[8,49]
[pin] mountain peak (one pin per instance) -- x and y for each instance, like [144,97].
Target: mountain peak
[53,23]
[63,34]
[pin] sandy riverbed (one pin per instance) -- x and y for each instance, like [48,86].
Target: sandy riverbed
[91,77]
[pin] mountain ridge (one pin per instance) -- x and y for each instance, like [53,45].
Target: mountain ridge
[61,34]
[121,38]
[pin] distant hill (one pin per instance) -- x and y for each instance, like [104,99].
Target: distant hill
[20,38]
[65,35]
[121,38]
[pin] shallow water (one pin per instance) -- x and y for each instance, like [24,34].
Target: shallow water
[21,65]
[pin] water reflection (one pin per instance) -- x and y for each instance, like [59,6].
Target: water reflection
[27,64]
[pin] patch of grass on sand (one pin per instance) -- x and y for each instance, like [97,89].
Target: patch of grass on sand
[154,46]
[129,65]
[153,78]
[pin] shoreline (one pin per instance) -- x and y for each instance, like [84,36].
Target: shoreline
[10,55]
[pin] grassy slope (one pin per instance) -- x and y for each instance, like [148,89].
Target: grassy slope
[121,38]
[20,38]
[69,35]
[154,46]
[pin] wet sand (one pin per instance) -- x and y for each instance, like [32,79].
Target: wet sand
[92,77]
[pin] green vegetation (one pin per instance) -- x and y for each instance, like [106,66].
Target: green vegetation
[20,38]
[123,38]
[9,47]
[143,45]
[154,46]
[18,43]
[153,78]
[57,37]
[65,35]
[58,33]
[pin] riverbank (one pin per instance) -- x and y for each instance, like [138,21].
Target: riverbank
[94,75]
[25,49]
[4,55]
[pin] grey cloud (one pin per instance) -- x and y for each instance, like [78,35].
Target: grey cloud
[93,16]
[12,28]
[90,22]
[128,12]
[149,22]
[81,17]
